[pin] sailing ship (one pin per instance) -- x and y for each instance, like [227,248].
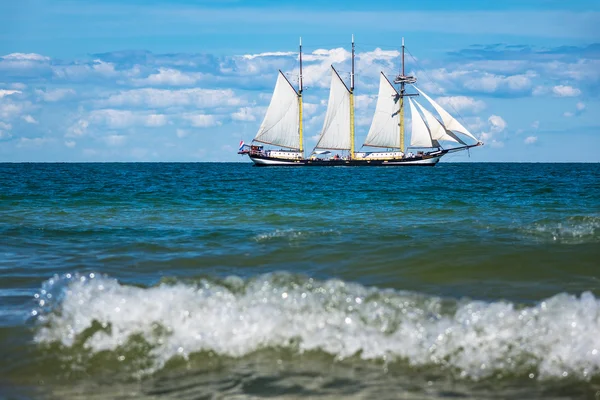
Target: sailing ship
[282,127]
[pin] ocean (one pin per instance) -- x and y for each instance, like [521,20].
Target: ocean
[227,281]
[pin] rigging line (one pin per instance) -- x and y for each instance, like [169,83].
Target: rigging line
[428,77]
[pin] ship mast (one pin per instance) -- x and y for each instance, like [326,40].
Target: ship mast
[403,80]
[402,89]
[352,104]
[300,102]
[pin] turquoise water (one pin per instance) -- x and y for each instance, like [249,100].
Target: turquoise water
[200,280]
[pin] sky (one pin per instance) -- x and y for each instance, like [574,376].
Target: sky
[184,80]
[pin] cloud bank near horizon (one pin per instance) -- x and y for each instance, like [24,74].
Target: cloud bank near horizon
[142,106]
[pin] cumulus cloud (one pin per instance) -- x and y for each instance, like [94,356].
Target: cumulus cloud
[169,77]
[202,120]
[269,54]
[461,103]
[118,119]
[535,124]
[164,98]
[243,114]
[82,71]
[29,119]
[565,91]
[496,125]
[79,128]
[5,92]
[530,139]
[11,110]
[26,56]
[580,106]
[491,83]
[52,95]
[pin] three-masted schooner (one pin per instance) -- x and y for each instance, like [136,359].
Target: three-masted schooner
[282,127]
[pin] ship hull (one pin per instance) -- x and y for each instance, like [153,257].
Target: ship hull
[266,161]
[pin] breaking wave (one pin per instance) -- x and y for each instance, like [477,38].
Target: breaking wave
[556,338]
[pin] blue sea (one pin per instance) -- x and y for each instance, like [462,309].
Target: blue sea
[227,281]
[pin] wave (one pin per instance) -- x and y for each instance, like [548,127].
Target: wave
[572,230]
[292,234]
[554,339]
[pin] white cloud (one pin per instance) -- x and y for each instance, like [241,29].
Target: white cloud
[79,128]
[29,119]
[10,110]
[52,95]
[461,103]
[170,77]
[535,124]
[318,67]
[118,119]
[491,83]
[26,56]
[270,54]
[202,120]
[565,91]
[155,120]
[70,143]
[568,114]
[5,126]
[4,92]
[580,106]
[243,114]
[531,139]
[163,98]
[497,123]
[79,72]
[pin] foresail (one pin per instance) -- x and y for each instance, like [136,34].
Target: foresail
[449,121]
[437,130]
[420,136]
[281,123]
[384,131]
[336,128]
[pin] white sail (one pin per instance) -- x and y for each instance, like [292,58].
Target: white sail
[420,136]
[436,129]
[449,121]
[385,128]
[281,123]
[336,128]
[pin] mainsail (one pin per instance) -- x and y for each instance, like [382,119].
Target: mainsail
[281,124]
[450,123]
[336,128]
[384,131]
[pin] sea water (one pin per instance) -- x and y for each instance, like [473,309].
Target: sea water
[199,280]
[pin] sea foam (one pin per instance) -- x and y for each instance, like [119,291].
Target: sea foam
[557,338]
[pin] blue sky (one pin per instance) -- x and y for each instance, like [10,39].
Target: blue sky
[186,80]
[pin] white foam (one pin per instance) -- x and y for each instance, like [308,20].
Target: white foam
[558,337]
[573,230]
[291,234]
